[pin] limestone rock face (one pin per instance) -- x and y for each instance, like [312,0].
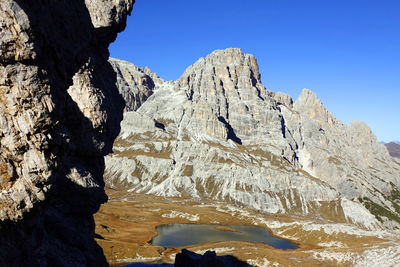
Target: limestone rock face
[135,84]
[347,157]
[218,133]
[59,114]
[228,100]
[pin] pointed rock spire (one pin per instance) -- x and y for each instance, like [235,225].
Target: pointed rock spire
[308,104]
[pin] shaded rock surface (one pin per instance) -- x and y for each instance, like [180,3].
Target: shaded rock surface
[218,133]
[59,114]
[188,258]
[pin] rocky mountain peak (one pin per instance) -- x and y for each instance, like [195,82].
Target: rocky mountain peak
[360,128]
[135,84]
[218,133]
[310,105]
[227,69]
[284,99]
[308,97]
[227,99]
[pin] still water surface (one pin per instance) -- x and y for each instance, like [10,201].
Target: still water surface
[181,235]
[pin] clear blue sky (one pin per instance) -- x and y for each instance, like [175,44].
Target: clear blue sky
[348,52]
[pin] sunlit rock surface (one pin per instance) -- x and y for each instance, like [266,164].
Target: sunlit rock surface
[135,84]
[59,114]
[218,133]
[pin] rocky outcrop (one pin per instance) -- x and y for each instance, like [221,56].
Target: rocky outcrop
[59,114]
[135,84]
[218,133]
[394,149]
[347,157]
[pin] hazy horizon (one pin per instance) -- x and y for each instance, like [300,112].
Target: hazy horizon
[347,53]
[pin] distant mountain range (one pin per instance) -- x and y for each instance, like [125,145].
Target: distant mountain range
[384,143]
[394,149]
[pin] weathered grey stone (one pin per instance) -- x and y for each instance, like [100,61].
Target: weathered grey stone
[347,157]
[134,84]
[284,99]
[59,114]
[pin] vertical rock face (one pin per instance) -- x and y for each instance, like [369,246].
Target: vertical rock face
[228,100]
[135,84]
[59,114]
[347,157]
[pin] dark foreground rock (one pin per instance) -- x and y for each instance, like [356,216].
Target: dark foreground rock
[190,259]
[187,258]
[59,115]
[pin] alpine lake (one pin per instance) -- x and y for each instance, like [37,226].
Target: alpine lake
[181,235]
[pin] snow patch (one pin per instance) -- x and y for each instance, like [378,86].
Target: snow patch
[389,256]
[264,262]
[138,258]
[217,250]
[178,214]
[339,257]
[332,244]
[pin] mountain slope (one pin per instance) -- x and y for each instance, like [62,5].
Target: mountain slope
[394,149]
[218,133]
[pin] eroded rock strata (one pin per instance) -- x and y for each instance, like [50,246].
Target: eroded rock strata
[218,133]
[135,84]
[59,114]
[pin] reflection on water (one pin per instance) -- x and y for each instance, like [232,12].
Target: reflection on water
[181,235]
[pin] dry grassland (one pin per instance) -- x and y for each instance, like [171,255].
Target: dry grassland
[126,225]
